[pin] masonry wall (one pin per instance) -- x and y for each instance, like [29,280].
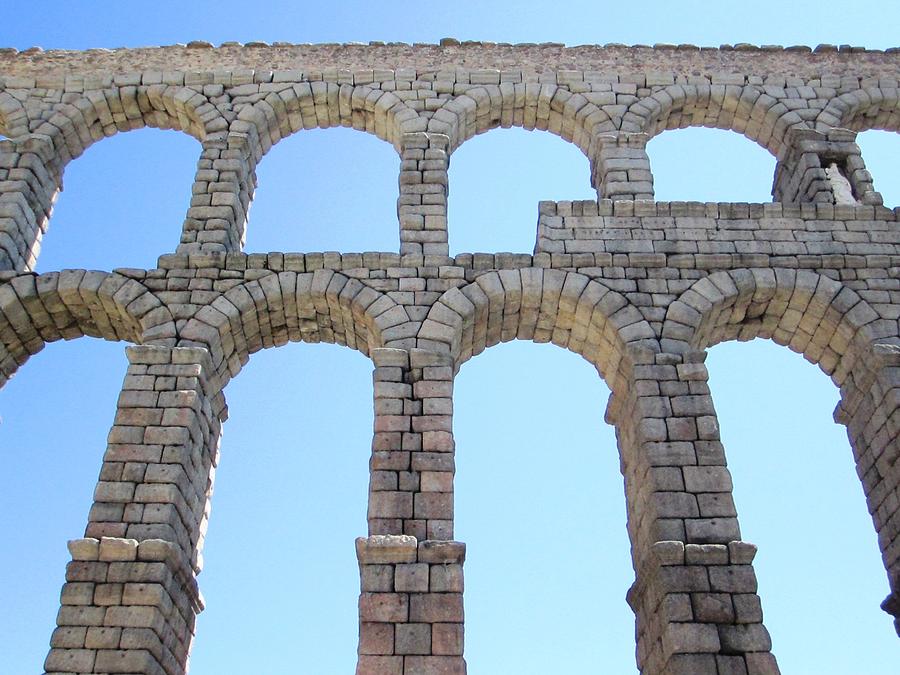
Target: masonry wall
[637,287]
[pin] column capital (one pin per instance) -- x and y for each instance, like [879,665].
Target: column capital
[622,139]
[424,139]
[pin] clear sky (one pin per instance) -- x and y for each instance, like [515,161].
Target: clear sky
[539,496]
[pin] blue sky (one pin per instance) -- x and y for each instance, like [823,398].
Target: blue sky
[539,495]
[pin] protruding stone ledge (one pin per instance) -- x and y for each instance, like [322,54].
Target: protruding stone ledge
[433,551]
[677,553]
[891,605]
[386,548]
[402,548]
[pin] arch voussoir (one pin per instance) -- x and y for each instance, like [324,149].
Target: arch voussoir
[281,307]
[746,109]
[862,109]
[37,309]
[806,311]
[542,305]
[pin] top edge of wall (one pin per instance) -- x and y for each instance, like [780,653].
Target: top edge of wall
[450,53]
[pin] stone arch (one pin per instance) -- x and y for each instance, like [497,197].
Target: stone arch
[37,309]
[747,109]
[549,107]
[61,132]
[543,305]
[260,124]
[810,313]
[863,109]
[320,306]
[310,105]
[833,327]
[74,126]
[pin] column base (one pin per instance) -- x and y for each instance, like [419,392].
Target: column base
[127,607]
[698,612]
[410,606]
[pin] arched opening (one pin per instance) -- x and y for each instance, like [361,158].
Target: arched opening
[710,165]
[496,180]
[120,206]
[326,190]
[54,419]
[880,150]
[280,575]
[820,574]
[539,504]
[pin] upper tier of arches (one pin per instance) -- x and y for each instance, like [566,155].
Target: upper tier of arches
[241,122]
[579,113]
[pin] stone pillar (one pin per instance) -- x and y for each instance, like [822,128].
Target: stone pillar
[823,168]
[870,409]
[412,465]
[29,183]
[620,168]
[222,191]
[131,598]
[694,597]
[410,606]
[422,204]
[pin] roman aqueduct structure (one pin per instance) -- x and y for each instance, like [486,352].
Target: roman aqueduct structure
[639,288]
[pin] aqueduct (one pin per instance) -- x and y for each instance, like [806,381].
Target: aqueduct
[639,288]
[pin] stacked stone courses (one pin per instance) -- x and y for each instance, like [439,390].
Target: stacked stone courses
[639,288]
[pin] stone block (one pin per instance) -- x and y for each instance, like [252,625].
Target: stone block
[733,579]
[446,578]
[741,552]
[442,552]
[77,593]
[684,579]
[712,530]
[376,638]
[691,638]
[114,549]
[70,661]
[68,637]
[102,637]
[749,637]
[747,607]
[692,664]
[412,578]
[731,665]
[713,607]
[386,549]
[413,638]
[379,665]
[377,578]
[706,554]
[436,608]
[707,479]
[447,639]
[435,665]
[669,552]
[84,549]
[384,607]
[761,663]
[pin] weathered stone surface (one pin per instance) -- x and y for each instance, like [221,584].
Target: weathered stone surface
[639,288]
